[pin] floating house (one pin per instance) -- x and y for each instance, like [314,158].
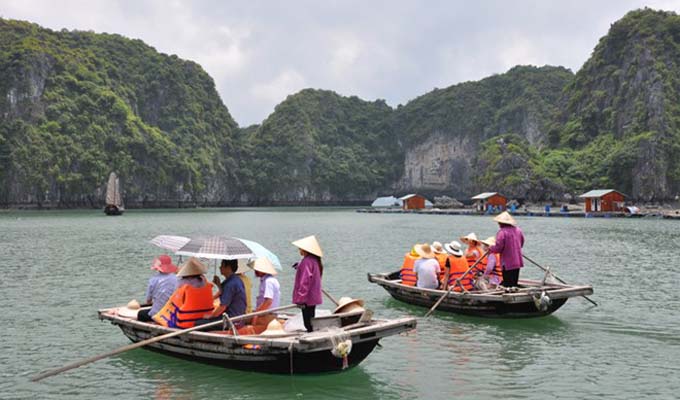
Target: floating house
[604,200]
[493,199]
[387,202]
[414,202]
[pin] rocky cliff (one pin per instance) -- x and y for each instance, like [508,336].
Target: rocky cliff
[75,106]
[630,89]
[443,130]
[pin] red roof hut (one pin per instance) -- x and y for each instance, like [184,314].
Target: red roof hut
[602,200]
[483,200]
[413,202]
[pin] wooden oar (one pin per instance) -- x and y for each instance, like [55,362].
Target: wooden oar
[132,346]
[455,283]
[556,277]
[330,297]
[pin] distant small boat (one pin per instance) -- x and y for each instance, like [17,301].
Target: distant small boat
[532,299]
[114,201]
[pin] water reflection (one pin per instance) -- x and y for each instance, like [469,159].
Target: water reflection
[165,377]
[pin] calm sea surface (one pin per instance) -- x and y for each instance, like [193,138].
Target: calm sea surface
[58,268]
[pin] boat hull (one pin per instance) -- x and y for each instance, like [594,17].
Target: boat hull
[113,210]
[501,305]
[300,354]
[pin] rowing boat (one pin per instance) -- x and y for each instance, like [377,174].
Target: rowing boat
[295,352]
[532,299]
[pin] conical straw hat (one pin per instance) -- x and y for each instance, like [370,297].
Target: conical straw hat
[192,267]
[129,311]
[347,304]
[274,328]
[470,237]
[310,245]
[490,241]
[263,265]
[505,218]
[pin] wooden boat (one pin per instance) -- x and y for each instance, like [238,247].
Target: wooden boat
[533,298]
[297,352]
[114,201]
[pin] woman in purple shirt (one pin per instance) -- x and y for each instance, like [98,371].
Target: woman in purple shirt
[307,289]
[509,243]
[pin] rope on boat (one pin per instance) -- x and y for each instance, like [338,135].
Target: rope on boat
[342,346]
[542,301]
[290,352]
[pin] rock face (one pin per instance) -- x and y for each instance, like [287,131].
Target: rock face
[438,164]
[443,130]
[75,106]
[630,88]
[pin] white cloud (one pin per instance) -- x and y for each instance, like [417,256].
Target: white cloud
[276,90]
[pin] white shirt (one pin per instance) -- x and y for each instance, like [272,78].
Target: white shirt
[427,269]
[269,289]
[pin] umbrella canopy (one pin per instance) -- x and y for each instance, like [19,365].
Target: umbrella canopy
[216,248]
[261,251]
[169,242]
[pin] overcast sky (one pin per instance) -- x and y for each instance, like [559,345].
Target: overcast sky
[258,52]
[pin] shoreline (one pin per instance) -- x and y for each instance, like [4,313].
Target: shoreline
[665,214]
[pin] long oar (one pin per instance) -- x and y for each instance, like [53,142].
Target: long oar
[77,364]
[330,297]
[556,277]
[455,283]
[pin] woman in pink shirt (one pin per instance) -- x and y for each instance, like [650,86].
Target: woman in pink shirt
[307,289]
[509,243]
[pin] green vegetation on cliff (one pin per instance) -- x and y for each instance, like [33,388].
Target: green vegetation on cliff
[318,145]
[76,105]
[79,105]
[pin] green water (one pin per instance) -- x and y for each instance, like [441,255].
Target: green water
[58,268]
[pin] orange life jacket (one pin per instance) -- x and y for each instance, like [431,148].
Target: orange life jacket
[457,267]
[441,258]
[408,275]
[472,254]
[187,305]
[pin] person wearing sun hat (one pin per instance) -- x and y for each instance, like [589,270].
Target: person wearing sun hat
[473,251]
[307,287]
[457,267]
[191,301]
[427,267]
[407,274]
[493,271]
[441,256]
[509,243]
[270,290]
[160,287]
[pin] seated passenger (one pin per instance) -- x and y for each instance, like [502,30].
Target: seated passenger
[473,251]
[192,299]
[441,256]
[426,268]
[161,286]
[269,294]
[458,265]
[248,287]
[493,271]
[407,274]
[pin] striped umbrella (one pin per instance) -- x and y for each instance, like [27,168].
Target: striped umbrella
[216,248]
[169,242]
